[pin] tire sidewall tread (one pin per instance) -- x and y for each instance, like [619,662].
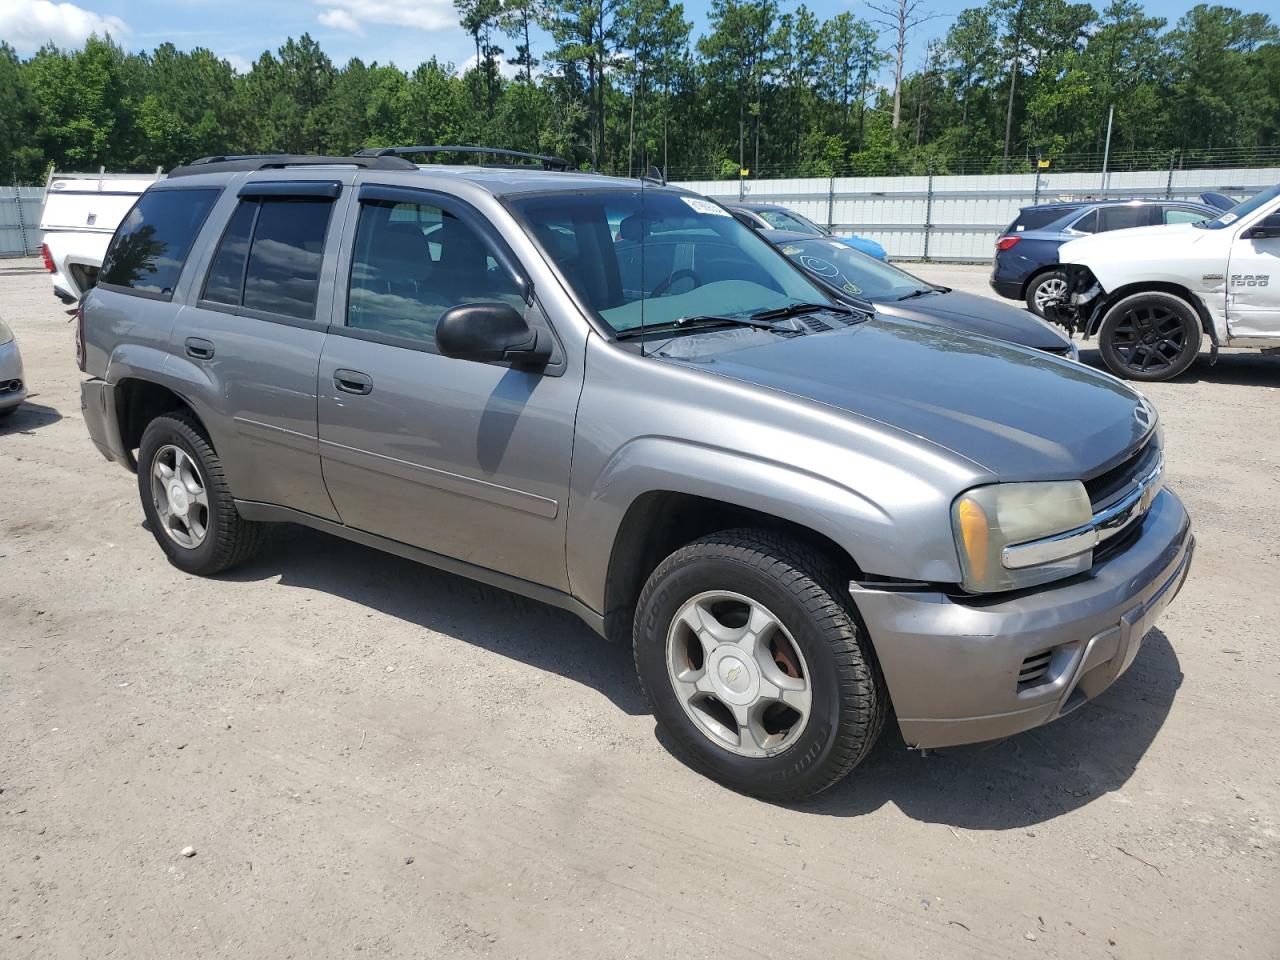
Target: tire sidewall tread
[230,539]
[802,588]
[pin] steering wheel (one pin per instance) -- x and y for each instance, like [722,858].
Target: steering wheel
[671,279]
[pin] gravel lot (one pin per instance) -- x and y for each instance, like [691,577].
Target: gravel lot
[370,756]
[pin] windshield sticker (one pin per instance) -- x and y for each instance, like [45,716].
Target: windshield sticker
[1229,218]
[850,288]
[791,251]
[705,206]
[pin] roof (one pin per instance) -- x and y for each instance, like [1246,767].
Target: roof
[1112,202]
[747,205]
[498,179]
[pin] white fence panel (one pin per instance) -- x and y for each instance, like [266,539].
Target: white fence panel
[960,217]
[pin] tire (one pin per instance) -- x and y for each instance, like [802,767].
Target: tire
[1149,336]
[224,538]
[829,652]
[1041,287]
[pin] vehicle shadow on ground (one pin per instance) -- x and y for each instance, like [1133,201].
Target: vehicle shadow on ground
[542,636]
[1025,779]
[1252,369]
[29,416]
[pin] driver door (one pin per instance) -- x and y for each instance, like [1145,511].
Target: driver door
[1253,280]
[466,459]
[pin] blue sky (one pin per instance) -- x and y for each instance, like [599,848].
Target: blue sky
[404,32]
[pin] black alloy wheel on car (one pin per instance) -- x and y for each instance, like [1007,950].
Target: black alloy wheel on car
[1150,336]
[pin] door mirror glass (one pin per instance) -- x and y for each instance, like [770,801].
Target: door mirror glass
[490,332]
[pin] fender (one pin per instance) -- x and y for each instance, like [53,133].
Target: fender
[1213,323]
[868,531]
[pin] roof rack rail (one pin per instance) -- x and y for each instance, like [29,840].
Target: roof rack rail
[558,164]
[276,161]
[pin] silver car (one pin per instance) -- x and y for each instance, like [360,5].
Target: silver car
[611,396]
[13,389]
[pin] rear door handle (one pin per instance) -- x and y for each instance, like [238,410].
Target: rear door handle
[199,349]
[353,381]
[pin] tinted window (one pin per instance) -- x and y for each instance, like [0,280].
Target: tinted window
[1123,217]
[226,275]
[152,242]
[412,263]
[283,273]
[1033,218]
[1087,224]
[1183,215]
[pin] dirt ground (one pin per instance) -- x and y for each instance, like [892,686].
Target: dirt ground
[371,758]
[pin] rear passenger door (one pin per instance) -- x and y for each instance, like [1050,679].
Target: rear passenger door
[251,341]
[469,460]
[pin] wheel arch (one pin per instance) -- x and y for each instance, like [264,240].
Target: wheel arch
[137,402]
[659,522]
[1153,286]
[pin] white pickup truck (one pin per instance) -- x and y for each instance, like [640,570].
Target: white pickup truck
[81,212]
[1152,294]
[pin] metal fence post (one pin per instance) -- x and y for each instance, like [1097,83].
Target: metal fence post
[22,223]
[928,212]
[1035,193]
[831,201]
[1168,186]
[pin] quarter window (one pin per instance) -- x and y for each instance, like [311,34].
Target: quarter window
[269,257]
[413,262]
[152,242]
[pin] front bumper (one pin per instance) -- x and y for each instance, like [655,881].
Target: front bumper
[953,667]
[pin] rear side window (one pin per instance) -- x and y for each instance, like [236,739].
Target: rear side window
[1033,218]
[269,257]
[1183,215]
[1123,217]
[152,242]
[1087,224]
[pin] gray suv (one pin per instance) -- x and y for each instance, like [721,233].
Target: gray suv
[611,396]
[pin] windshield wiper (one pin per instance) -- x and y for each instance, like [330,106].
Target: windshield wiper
[794,309]
[923,291]
[695,322]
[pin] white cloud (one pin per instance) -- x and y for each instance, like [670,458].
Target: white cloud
[238,63]
[508,70]
[341,20]
[29,24]
[351,15]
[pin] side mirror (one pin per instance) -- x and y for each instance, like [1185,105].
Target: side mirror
[1268,229]
[490,332]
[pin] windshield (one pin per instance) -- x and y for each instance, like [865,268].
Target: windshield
[846,269]
[786,220]
[682,257]
[1241,209]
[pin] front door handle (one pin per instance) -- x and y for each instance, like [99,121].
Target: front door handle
[353,381]
[199,348]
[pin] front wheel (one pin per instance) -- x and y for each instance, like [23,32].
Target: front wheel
[1149,336]
[755,661]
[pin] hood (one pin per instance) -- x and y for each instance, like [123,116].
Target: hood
[969,312]
[1122,243]
[1021,414]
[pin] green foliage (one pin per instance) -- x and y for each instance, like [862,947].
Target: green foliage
[622,85]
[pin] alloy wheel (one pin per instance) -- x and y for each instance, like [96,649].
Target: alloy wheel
[738,674]
[1149,338]
[179,495]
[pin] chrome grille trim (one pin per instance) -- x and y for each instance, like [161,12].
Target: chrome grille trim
[1105,524]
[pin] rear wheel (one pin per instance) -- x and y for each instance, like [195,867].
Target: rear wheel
[756,662]
[1149,336]
[1043,289]
[187,501]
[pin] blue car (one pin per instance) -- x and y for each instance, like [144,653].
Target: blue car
[1026,258]
[772,216]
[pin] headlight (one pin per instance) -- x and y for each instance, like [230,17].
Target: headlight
[987,520]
